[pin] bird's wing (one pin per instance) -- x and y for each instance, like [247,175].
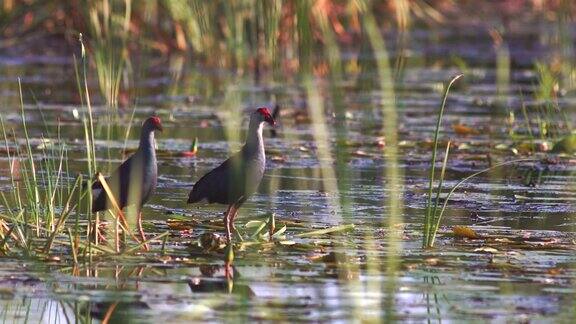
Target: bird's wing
[216,185]
[122,171]
[118,182]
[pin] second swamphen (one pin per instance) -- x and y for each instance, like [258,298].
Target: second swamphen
[237,178]
[134,181]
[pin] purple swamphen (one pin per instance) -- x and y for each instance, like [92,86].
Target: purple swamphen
[134,181]
[237,178]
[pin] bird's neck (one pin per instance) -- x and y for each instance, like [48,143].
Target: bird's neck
[254,137]
[147,142]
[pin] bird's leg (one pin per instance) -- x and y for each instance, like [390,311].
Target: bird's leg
[141,231]
[232,221]
[235,207]
[227,221]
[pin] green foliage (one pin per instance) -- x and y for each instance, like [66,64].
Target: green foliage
[433,217]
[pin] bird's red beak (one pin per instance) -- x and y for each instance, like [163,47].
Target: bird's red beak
[270,120]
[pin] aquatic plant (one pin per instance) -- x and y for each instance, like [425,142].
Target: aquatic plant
[432,216]
[109,30]
[36,211]
[434,213]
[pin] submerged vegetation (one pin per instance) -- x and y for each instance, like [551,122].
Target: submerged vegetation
[393,190]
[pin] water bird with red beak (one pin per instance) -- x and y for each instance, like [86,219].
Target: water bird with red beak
[237,178]
[134,181]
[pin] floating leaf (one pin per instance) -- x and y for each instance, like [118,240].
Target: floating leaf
[258,230]
[555,271]
[529,147]
[180,225]
[486,249]
[253,223]
[502,147]
[432,261]
[505,266]
[279,232]
[331,258]
[464,130]
[339,228]
[465,231]
[45,143]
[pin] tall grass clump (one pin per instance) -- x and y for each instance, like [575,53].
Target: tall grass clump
[49,208]
[432,215]
[109,23]
[434,208]
[42,195]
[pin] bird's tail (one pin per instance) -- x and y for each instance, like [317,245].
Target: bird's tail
[195,195]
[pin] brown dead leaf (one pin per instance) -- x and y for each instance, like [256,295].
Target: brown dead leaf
[555,271]
[178,225]
[53,258]
[330,257]
[464,130]
[432,261]
[465,232]
[486,249]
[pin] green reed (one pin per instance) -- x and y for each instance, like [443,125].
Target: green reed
[434,208]
[40,186]
[432,217]
[45,195]
[109,23]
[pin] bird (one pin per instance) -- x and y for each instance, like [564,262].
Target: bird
[236,179]
[135,180]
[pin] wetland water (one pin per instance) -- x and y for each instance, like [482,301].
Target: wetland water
[521,270]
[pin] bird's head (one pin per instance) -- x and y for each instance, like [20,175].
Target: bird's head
[264,114]
[153,123]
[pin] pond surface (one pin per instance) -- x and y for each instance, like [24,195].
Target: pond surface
[520,270]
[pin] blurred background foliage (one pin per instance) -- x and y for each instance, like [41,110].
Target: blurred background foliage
[281,39]
[250,33]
